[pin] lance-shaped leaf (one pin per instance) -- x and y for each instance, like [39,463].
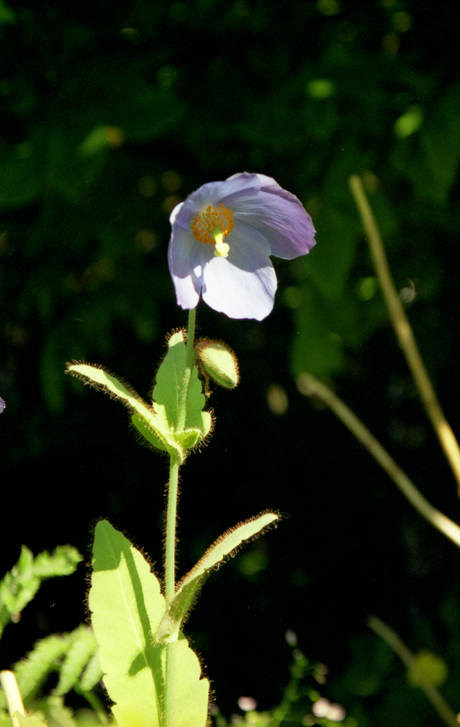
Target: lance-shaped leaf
[167,390]
[147,433]
[152,420]
[127,607]
[188,587]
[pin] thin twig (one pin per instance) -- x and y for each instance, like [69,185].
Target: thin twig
[12,694]
[404,332]
[410,662]
[309,386]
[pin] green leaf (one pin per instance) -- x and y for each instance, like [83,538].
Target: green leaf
[166,392]
[92,674]
[153,418]
[127,607]
[29,721]
[54,712]
[69,654]
[20,585]
[147,433]
[187,589]
[97,377]
[191,690]
[44,658]
[157,423]
[82,647]
[61,562]
[189,438]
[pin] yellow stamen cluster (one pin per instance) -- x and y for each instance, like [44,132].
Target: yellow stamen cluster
[213,225]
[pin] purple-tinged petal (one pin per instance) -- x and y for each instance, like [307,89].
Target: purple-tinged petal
[280,217]
[242,186]
[239,187]
[246,239]
[186,284]
[258,219]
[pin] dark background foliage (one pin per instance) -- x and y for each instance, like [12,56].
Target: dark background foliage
[111,114]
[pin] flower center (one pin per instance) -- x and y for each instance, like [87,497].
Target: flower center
[213,225]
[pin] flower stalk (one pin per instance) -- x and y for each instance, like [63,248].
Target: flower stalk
[187,370]
[171,520]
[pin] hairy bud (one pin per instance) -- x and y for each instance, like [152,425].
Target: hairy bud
[218,361]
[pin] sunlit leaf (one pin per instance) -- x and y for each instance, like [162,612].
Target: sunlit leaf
[168,387]
[99,378]
[127,606]
[219,551]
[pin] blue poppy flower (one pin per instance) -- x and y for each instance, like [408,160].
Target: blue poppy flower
[222,238]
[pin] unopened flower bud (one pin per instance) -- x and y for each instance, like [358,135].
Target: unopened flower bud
[218,361]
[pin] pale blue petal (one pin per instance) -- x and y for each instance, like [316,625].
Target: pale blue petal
[268,220]
[244,284]
[186,283]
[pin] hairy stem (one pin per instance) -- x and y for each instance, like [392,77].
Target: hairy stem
[171,518]
[187,371]
[171,521]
